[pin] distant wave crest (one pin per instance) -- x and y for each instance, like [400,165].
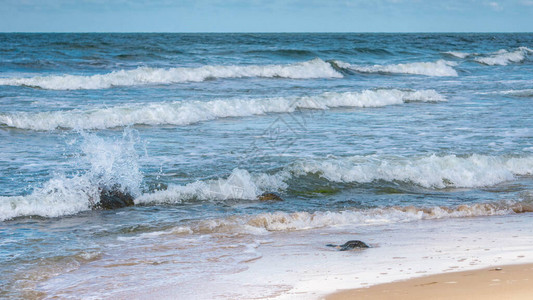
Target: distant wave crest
[504,57]
[315,68]
[458,54]
[438,68]
[519,93]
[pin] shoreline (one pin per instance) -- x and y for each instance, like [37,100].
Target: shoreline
[299,265]
[498,282]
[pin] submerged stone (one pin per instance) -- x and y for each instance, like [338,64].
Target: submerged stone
[113,198]
[350,245]
[270,197]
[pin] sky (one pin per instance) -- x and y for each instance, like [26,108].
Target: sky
[266,16]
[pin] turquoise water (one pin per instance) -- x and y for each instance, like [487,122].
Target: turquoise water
[347,128]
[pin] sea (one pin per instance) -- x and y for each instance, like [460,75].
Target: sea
[418,144]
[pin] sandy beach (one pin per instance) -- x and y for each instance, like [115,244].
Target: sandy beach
[499,282]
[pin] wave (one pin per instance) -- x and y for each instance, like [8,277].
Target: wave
[438,68]
[113,163]
[519,93]
[522,93]
[436,172]
[458,54]
[368,50]
[283,221]
[280,221]
[315,68]
[184,113]
[58,197]
[240,184]
[428,171]
[284,52]
[501,57]
[504,57]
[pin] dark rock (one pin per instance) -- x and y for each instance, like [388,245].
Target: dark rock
[113,198]
[270,197]
[350,245]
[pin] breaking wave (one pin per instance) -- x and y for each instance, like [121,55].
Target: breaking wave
[428,171]
[283,221]
[438,68]
[436,172]
[504,57]
[280,221]
[184,113]
[501,57]
[240,184]
[315,68]
[112,163]
[458,54]
[525,93]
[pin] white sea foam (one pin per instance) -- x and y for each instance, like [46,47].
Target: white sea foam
[61,195]
[315,68]
[282,221]
[240,184]
[458,54]
[438,68]
[398,252]
[504,57]
[188,112]
[517,93]
[112,163]
[427,171]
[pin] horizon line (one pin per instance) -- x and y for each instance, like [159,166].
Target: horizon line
[266,32]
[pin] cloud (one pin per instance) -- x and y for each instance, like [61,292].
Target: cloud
[495,6]
[527,2]
[93,5]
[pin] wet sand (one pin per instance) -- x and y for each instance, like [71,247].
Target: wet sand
[498,282]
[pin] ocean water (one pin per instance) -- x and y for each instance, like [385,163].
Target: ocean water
[360,134]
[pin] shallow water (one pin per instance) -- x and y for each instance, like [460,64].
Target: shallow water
[353,130]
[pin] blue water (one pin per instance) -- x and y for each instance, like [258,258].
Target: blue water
[197,126]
